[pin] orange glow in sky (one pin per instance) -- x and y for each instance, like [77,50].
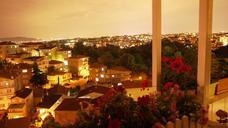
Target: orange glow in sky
[88,18]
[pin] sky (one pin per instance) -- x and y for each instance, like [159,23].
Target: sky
[51,19]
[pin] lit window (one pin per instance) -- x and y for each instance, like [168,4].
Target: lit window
[65,62]
[24,70]
[97,79]
[102,75]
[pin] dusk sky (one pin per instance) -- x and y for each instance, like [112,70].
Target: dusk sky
[48,19]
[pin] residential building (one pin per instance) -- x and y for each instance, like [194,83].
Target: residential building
[58,65]
[42,62]
[47,51]
[138,88]
[21,104]
[120,73]
[69,109]
[63,55]
[8,86]
[96,70]
[17,57]
[7,48]
[28,47]
[93,92]
[48,104]
[59,77]
[79,66]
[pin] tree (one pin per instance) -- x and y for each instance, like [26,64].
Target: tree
[106,59]
[39,78]
[127,60]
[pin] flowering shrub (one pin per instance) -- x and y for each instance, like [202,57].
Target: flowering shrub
[175,70]
[117,110]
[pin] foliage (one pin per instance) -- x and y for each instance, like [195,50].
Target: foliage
[137,59]
[176,70]
[49,122]
[39,78]
[117,110]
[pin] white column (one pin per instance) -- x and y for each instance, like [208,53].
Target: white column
[204,49]
[156,43]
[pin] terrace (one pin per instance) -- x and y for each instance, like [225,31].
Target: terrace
[205,91]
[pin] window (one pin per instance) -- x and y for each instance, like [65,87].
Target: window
[24,70]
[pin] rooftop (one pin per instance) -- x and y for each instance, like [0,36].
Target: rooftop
[48,101]
[47,47]
[137,84]
[16,106]
[119,68]
[93,89]
[7,43]
[57,89]
[55,62]
[23,93]
[70,104]
[33,58]
[56,73]
[78,57]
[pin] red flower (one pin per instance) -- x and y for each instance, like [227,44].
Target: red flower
[114,123]
[167,59]
[168,85]
[186,68]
